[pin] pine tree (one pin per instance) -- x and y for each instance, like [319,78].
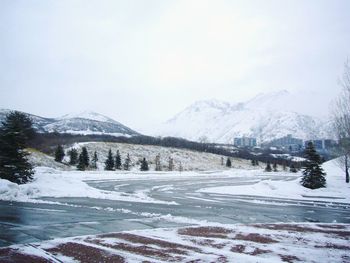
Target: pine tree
[59,154]
[127,162]
[268,167]
[109,163]
[274,167]
[144,165]
[81,163]
[85,157]
[253,162]
[73,156]
[118,161]
[228,162]
[284,166]
[313,174]
[94,161]
[293,169]
[15,133]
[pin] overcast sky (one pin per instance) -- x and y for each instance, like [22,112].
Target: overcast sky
[141,62]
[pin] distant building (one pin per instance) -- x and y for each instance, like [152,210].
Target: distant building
[322,144]
[288,143]
[244,142]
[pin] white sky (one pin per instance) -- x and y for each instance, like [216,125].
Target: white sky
[141,62]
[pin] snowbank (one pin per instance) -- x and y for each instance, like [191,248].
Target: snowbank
[52,183]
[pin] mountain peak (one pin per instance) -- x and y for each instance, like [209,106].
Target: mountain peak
[210,103]
[267,116]
[90,115]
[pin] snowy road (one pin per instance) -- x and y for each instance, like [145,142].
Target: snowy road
[181,204]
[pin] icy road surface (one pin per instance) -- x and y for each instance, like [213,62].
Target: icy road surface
[172,201]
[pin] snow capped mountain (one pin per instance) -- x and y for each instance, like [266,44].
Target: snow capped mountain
[86,122]
[38,122]
[89,115]
[265,117]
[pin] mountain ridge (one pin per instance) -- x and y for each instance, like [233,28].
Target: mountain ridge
[266,116]
[86,122]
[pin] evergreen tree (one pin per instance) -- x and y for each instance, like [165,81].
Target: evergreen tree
[15,132]
[109,163]
[127,162]
[85,157]
[59,154]
[81,163]
[118,161]
[73,156]
[144,165]
[94,161]
[284,166]
[274,167]
[293,169]
[171,164]
[268,167]
[313,174]
[228,162]
[253,162]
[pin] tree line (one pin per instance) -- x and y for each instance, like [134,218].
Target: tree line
[111,162]
[47,143]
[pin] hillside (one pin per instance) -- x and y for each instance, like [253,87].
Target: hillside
[190,160]
[265,117]
[85,122]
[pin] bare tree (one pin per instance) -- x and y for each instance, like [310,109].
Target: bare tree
[341,117]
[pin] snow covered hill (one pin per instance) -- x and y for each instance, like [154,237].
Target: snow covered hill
[190,160]
[86,122]
[266,117]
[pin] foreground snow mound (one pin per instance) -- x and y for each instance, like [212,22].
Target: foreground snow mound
[8,188]
[52,183]
[336,189]
[12,192]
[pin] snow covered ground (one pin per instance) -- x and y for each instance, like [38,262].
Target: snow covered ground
[336,190]
[50,182]
[230,243]
[67,203]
